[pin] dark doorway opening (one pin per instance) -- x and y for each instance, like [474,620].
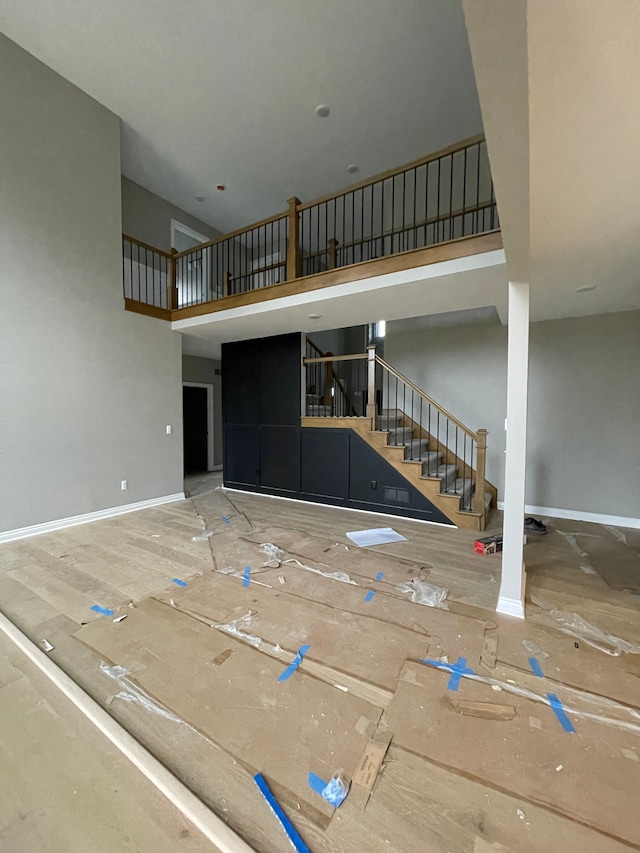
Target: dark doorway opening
[195,429]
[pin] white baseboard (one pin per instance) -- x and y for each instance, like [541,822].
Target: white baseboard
[579,515]
[59,524]
[510,607]
[451,526]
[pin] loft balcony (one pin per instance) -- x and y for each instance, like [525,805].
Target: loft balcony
[438,208]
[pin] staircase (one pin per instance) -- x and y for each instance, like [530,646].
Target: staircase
[439,456]
[434,469]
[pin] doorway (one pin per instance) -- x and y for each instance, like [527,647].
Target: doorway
[193,271]
[197,417]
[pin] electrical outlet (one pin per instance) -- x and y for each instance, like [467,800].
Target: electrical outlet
[169,429]
[124,485]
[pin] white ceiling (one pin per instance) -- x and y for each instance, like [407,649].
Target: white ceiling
[475,282]
[213,91]
[572,107]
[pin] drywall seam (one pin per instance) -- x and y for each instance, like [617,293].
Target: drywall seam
[194,810]
[579,515]
[72,521]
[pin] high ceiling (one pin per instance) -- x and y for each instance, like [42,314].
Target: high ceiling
[219,92]
[558,82]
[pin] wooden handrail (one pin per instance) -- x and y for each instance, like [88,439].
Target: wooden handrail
[397,170]
[148,246]
[315,347]
[334,358]
[413,226]
[256,271]
[426,397]
[233,234]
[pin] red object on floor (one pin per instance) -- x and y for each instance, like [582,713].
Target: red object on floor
[488,545]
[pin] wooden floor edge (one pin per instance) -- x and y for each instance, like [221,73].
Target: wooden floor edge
[147,310]
[194,810]
[463,247]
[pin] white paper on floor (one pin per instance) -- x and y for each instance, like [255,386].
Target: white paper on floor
[375,536]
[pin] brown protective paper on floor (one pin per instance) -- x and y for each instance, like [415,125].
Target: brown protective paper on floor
[282,729]
[583,775]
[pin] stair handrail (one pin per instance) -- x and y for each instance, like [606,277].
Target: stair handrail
[473,435]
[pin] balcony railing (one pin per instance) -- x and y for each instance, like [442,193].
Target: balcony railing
[438,199]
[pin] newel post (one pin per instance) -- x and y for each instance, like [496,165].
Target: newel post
[332,253]
[172,285]
[293,248]
[371,384]
[481,462]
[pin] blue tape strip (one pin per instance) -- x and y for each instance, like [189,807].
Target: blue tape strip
[294,665]
[286,824]
[379,576]
[179,582]
[334,792]
[316,783]
[457,670]
[556,704]
[104,610]
[536,669]
[246,577]
[225,519]
[369,595]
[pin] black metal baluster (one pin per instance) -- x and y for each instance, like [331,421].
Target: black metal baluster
[478,189]
[464,193]
[450,198]
[436,238]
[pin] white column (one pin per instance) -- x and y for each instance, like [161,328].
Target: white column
[511,600]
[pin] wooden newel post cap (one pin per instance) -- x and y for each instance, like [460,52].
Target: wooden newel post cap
[482,437]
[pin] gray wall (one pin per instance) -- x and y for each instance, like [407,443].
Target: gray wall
[147,217]
[584,402]
[86,389]
[203,370]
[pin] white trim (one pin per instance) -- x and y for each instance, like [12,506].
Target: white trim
[72,521]
[510,607]
[345,508]
[579,515]
[184,229]
[210,422]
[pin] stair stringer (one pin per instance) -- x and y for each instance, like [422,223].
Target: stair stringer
[448,456]
[394,455]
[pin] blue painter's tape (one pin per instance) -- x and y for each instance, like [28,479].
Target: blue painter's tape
[536,669]
[289,828]
[294,664]
[334,791]
[457,670]
[379,576]
[369,595]
[556,704]
[225,519]
[246,577]
[104,610]
[316,783]
[179,582]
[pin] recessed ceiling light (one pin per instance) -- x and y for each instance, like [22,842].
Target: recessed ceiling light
[586,288]
[200,198]
[315,316]
[352,168]
[322,111]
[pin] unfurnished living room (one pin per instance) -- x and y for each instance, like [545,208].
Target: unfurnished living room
[320,426]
